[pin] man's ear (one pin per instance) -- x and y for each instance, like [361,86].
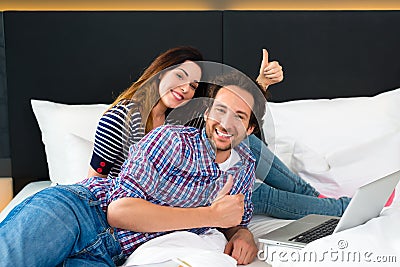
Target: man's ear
[250,129]
[206,114]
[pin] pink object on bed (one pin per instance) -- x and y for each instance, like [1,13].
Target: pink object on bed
[390,200]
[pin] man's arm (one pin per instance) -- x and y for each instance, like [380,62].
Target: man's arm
[139,215]
[241,245]
[129,206]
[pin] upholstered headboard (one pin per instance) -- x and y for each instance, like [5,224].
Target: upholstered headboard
[86,57]
[89,57]
[325,54]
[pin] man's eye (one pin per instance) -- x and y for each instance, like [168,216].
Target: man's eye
[238,117]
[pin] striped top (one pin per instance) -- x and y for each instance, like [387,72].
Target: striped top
[111,139]
[173,166]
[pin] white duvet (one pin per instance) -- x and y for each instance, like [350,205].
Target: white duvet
[184,248]
[204,250]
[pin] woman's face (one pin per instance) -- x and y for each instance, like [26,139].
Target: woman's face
[178,85]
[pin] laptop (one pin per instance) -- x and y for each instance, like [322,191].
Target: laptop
[367,203]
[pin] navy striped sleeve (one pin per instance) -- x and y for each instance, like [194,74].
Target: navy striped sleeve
[108,151]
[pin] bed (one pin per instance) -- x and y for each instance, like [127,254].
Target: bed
[336,116]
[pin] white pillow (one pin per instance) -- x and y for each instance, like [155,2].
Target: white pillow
[78,154]
[339,144]
[68,134]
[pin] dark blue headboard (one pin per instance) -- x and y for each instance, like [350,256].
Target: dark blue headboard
[325,54]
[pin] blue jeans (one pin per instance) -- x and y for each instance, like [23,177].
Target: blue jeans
[283,194]
[59,226]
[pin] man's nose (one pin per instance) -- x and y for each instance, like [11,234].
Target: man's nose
[226,120]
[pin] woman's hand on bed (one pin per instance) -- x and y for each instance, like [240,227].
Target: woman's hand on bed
[241,245]
[270,72]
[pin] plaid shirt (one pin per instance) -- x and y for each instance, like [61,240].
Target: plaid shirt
[173,166]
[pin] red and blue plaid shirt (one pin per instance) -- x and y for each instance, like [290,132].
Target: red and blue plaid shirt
[173,166]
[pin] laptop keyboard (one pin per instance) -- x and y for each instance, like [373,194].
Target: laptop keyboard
[317,232]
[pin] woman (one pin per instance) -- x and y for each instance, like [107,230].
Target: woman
[173,79]
[139,105]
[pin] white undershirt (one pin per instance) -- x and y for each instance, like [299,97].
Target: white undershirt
[232,160]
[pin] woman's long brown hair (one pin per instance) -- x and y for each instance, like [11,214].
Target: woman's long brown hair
[149,95]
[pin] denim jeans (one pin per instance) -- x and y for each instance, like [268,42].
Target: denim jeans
[59,226]
[283,194]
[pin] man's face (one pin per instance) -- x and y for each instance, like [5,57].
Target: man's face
[227,121]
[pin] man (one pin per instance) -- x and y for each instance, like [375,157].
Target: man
[175,178]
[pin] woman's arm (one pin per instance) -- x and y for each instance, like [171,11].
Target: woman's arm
[108,145]
[92,173]
[270,72]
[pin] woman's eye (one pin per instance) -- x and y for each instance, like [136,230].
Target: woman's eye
[194,85]
[180,77]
